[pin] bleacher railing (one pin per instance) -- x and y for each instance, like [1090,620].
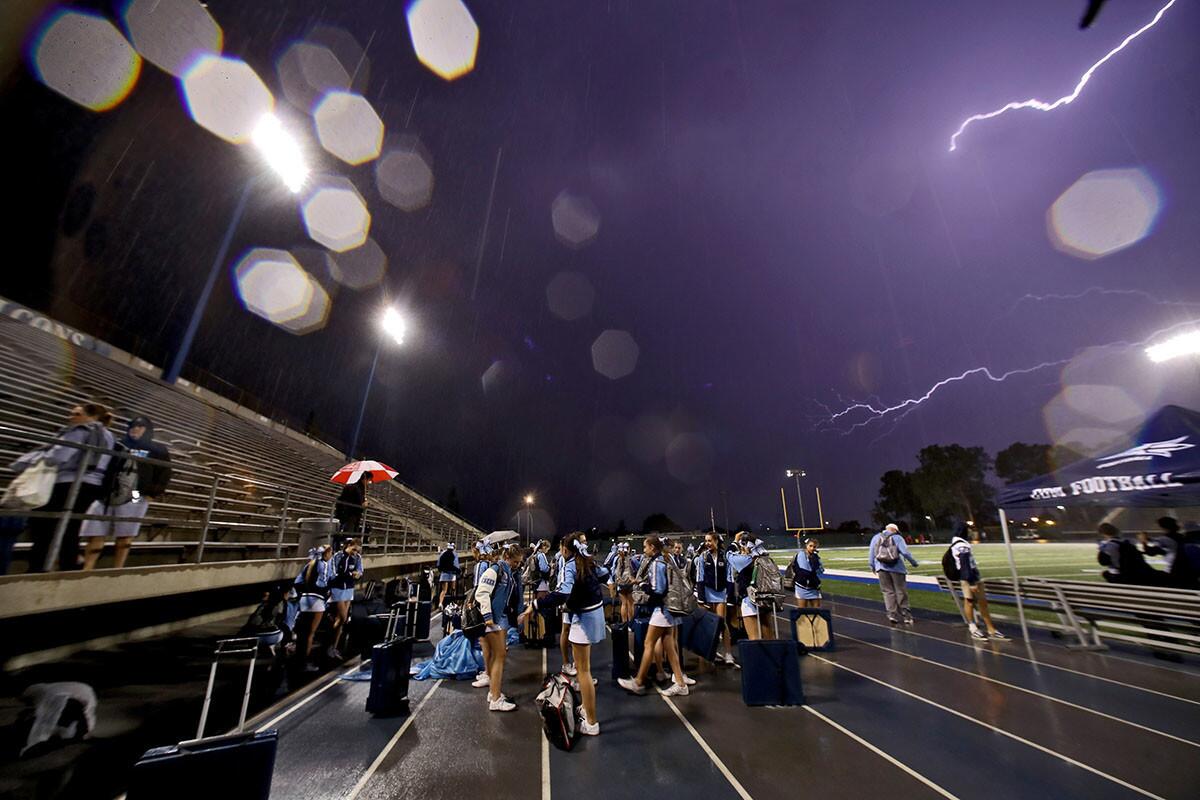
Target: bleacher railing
[403,533]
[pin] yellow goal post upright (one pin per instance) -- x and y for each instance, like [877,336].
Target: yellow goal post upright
[798,531]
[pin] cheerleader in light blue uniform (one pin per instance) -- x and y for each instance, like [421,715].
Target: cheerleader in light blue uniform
[312,585]
[662,625]
[580,594]
[495,585]
[484,555]
[741,571]
[809,570]
[712,585]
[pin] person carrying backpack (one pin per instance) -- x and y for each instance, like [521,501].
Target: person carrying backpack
[886,556]
[1123,561]
[741,575]
[129,485]
[449,569]
[808,570]
[581,595]
[1181,572]
[492,593]
[622,572]
[959,565]
[312,585]
[662,624]
[347,568]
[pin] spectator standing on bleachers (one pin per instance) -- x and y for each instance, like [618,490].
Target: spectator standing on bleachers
[449,568]
[152,481]
[87,424]
[351,505]
[971,583]
[346,568]
[886,556]
[312,584]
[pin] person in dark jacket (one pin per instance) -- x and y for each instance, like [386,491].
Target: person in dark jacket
[1122,561]
[351,505]
[152,481]
[1173,547]
[87,424]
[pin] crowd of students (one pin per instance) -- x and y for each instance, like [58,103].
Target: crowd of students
[534,588]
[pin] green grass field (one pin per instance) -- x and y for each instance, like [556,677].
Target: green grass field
[1047,560]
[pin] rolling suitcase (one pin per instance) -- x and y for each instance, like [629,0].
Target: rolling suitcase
[812,628]
[701,633]
[236,766]
[770,673]
[391,661]
[640,628]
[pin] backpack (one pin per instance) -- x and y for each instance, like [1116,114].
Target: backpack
[120,479]
[789,576]
[446,561]
[556,705]
[950,564]
[531,573]
[680,598]
[766,581]
[623,572]
[886,550]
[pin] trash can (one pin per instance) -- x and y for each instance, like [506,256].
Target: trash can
[314,531]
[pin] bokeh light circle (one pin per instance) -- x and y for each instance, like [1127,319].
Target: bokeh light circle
[614,354]
[348,127]
[575,218]
[336,216]
[360,268]
[307,72]
[85,58]
[226,97]
[444,36]
[273,285]
[172,34]
[689,457]
[404,176]
[1103,212]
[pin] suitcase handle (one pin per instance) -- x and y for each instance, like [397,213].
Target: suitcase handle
[229,647]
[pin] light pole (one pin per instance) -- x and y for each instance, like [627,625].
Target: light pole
[798,474]
[393,327]
[529,516]
[282,153]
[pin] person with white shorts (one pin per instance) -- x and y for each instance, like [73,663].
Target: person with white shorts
[662,625]
[580,591]
[492,593]
[312,585]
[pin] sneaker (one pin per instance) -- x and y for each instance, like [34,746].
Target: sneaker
[569,669]
[588,729]
[893,621]
[334,653]
[630,685]
[998,636]
[688,680]
[908,621]
[480,682]
[660,677]
[501,703]
[676,689]
[978,634]
[311,668]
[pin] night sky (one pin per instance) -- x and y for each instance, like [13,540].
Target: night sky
[782,232]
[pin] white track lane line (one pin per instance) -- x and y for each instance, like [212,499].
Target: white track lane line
[1028,660]
[545,748]
[737,786]
[894,762]
[994,729]
[366,776]
[999,682]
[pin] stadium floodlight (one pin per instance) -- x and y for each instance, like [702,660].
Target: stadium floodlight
[393,325]
[528,499]
[1185,344]
[281,151]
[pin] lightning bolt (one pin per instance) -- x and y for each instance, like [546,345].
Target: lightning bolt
[1100,290]
[1042,105]
[877,411]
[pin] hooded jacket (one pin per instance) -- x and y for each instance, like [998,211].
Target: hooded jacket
[152,478]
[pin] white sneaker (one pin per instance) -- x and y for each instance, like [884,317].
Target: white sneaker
[977,634]
[630,685]
[688,680]
[569,669]
[728,658]
[998,636]
[334,653]
[676,690]
[501,703]
[586,729]
[481,682]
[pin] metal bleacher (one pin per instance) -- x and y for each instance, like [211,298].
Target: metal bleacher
[240,484]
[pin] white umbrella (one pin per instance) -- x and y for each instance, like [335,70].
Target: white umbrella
[501,536]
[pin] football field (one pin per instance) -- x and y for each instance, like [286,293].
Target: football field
[1076,561]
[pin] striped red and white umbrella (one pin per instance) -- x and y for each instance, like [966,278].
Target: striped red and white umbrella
[356,469]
